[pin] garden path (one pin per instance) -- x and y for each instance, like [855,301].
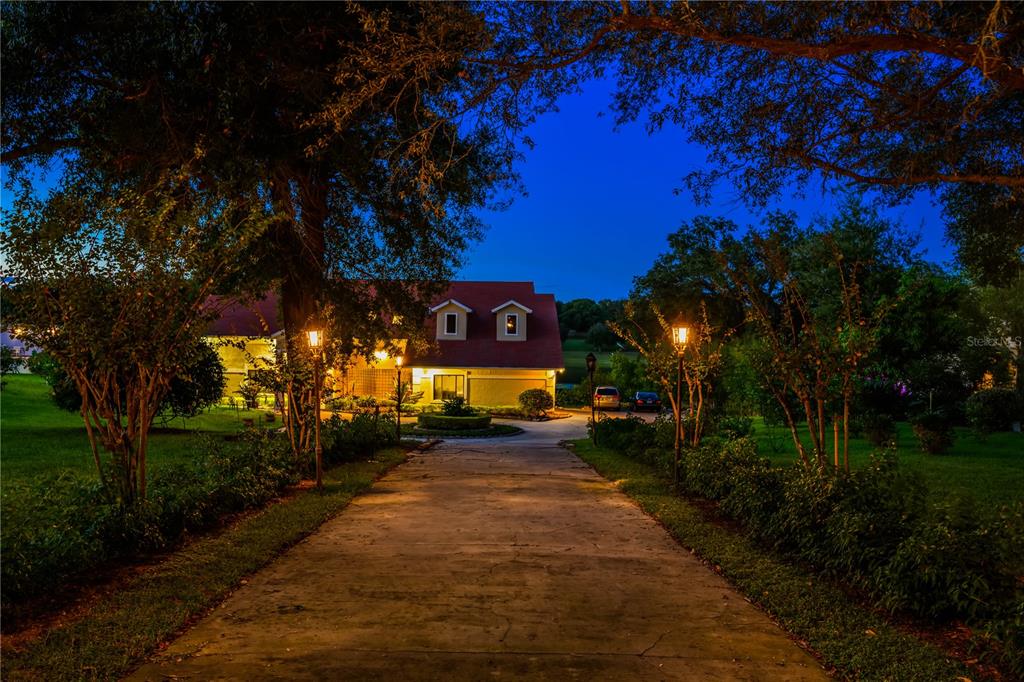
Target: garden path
[479,559]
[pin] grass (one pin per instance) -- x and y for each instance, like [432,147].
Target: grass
[853,640]
[37,437]
[990,471]
[574,353]
[124,627]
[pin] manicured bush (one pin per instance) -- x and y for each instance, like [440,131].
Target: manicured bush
[933,431]
[994,409]
[536,401]
[442,422]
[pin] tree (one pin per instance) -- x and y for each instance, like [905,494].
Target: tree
[8,363]
[196,386]
[807,294]
[343,123]
[700,361]
[890,96]
[113,285]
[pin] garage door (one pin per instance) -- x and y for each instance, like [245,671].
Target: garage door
[500,391]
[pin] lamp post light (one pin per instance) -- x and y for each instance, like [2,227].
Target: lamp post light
[591,367]
[680,335]
[398,394]
[316,344]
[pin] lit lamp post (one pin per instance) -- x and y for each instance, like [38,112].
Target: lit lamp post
[591,366]
[316,344]
[398,394]
[680,334]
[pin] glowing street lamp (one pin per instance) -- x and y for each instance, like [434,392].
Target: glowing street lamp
[399,360]
[316,344]
[680,335]
[591,367]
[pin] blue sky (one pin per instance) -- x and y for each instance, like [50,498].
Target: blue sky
[601,203]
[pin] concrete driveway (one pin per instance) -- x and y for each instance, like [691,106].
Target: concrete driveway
[487,559]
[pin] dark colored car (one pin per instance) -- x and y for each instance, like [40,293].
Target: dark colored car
[646,400]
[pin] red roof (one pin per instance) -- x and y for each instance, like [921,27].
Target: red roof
[259,318]
[542,348]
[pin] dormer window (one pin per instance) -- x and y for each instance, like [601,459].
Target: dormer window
[451,324]
[511,321]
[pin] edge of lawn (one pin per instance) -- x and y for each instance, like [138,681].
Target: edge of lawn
[122,629]
[850,640]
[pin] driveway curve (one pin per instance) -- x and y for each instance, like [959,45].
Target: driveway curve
[487,559]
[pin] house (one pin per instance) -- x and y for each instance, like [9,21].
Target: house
[490,341]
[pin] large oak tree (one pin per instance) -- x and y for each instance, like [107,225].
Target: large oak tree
[342,122]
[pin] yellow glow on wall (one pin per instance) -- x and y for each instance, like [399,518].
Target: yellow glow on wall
[381,355]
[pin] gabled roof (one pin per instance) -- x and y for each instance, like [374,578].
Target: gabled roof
[258,318]
[542,348]
[509,302]
[450,301]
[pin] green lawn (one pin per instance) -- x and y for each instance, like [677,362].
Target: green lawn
[574,353]
[36,437]
[990,470]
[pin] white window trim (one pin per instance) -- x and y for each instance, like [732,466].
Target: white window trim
[456,317]
[508,315]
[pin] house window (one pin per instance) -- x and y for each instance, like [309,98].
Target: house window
[512,324]
[451,323]
[448,386]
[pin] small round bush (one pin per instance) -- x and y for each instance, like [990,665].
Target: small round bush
[535,401]
[994,409]
[933,431]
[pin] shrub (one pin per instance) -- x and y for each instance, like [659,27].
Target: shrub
[359,437]
[457,407]
[250,391]
[933,431]
[994,409]
[872,527]
[445,422]
[536,401]
[199,386]
[879,429]
[58,526]
[8,362]
[733,428]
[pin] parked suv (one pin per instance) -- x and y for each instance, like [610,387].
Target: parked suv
[646,400]
[607,398]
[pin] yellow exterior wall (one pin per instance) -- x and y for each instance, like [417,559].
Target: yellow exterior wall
[239,354]
[486,386]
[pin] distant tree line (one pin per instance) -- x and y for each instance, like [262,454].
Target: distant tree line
[588,319]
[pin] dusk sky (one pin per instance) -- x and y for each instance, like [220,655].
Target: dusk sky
[601,204]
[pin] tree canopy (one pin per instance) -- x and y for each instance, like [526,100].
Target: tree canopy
[894,96]
[343,123]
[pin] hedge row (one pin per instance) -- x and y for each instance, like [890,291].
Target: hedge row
[872,527]
[446,422]
[59,526]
